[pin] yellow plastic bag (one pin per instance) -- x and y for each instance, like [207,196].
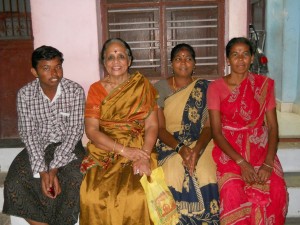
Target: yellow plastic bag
[161,204]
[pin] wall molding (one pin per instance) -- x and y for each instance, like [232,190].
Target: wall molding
[289,107]
[296,108]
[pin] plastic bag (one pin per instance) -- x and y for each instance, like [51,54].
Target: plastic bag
[161,204]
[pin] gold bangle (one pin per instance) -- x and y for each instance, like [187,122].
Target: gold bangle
[114,146]
[147,151]
[122,150]
[267,165]
[239,161]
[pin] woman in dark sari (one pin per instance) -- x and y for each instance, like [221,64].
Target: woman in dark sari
[184,135]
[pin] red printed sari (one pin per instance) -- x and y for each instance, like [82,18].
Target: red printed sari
[244,127]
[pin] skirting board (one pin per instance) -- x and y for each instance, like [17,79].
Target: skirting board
[289,107]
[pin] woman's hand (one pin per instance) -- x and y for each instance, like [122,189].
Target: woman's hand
[142,167]
[264,173]
[194,158]
[249,175]
[185,153]
[134,154]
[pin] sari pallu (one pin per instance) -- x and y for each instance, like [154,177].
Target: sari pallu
[244,127]
[196,196]
[110,192]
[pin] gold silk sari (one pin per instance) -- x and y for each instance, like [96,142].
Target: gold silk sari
[110,192]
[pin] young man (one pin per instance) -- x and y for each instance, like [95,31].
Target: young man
[43,181]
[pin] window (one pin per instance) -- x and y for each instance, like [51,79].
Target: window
[153,28]
[15,20]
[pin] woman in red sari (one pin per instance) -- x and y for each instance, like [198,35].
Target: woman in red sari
[245,131]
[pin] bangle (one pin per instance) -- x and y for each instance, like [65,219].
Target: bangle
[122,150]
[239,161]
[114,146]
[178,147]
[267,165]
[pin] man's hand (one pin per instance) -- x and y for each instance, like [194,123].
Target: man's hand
[50,183]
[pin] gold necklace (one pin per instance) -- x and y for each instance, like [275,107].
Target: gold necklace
[175,86]
[114,83]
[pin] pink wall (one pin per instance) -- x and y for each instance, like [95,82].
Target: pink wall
[235,21]
[236,18]
[71,27]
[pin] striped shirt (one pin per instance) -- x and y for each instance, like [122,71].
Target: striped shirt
[41,122]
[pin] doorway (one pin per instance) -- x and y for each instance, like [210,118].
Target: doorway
[16,46]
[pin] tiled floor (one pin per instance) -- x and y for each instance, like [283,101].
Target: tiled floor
[289,125]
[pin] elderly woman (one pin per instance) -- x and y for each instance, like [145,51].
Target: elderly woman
[184,134]
[121,123]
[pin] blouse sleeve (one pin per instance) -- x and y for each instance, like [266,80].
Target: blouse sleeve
[95,96]
[271,102]
[163,91]
[213,98]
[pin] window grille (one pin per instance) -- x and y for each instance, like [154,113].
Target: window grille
[15,19]
[153,29]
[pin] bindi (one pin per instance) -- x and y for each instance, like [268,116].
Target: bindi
[115,51]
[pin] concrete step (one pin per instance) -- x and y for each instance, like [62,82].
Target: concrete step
[289,155]
[293,183]
[292,221]
[292,179]
[4,219]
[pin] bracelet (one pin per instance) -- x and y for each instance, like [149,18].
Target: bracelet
[145,150]
[267,165]
[122,150]
[239,161]
[114,146]
[178,147]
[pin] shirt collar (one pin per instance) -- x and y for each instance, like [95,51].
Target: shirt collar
[57,94]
